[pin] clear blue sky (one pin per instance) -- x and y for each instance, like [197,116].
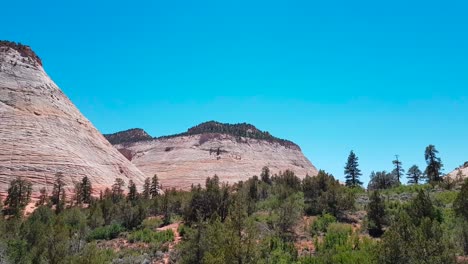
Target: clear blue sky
[379,77]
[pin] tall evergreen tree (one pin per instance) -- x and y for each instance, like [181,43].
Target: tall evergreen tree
[86,190]
[398,171]
[461,209]
[117,190]
[43,197]
[223,209]
[154,189]
[421,206]
[265,175]
[252,196]
[147,189]
[414,175]
[241,242]
[352,171]
[165,209]
[58,193]
[461,202]
[434,164]
[78,193]
[19,195]
[376,214]
[132,191]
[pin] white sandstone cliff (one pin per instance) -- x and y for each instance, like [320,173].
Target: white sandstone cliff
[42,133]
[189,159]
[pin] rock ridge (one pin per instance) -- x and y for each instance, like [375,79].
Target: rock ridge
[42,132]
[239,130]
[189,158]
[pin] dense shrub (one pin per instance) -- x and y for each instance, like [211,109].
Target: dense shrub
[337,236]
[341,245]
[106,232]
[152,223]
[149,236]
[320,225]
[324,193]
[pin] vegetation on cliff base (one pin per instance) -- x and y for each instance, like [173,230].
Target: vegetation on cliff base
[274,218]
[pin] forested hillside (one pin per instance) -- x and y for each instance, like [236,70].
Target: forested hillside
[266,219]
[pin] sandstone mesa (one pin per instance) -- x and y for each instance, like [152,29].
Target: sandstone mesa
[203,151]
[42,132]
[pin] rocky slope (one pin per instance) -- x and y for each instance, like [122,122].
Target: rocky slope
[233,152]
[460,172]
[42,133]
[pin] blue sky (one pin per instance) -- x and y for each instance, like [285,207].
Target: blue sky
[377,77]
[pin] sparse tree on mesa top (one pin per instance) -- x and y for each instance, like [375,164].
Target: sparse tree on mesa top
[352,171]
[414,175]
[398,171]
[434,164]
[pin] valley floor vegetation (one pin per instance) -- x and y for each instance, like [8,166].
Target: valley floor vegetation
[269,218]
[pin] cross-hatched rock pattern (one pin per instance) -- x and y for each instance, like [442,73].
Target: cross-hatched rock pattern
[42,133]
[180,161]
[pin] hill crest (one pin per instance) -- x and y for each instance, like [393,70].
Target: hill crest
[239,130]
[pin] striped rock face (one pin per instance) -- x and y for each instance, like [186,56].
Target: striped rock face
[460,173]
[42,133]
[181,161]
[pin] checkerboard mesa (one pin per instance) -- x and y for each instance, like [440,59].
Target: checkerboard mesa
[42,133]
[234,152]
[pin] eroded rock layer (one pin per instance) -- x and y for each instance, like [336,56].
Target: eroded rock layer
[189,158]
[460,173]
[42,133]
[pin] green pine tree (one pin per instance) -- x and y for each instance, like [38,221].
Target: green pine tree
[376,214]
[86,190]
[265,175]
[117,190]
[132,191]
[19,195]
[147,189]
[398,171]
[58,193]
[434,164]
[352,171]
[461,202]
[414,175]
[154,188]
[43,197]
